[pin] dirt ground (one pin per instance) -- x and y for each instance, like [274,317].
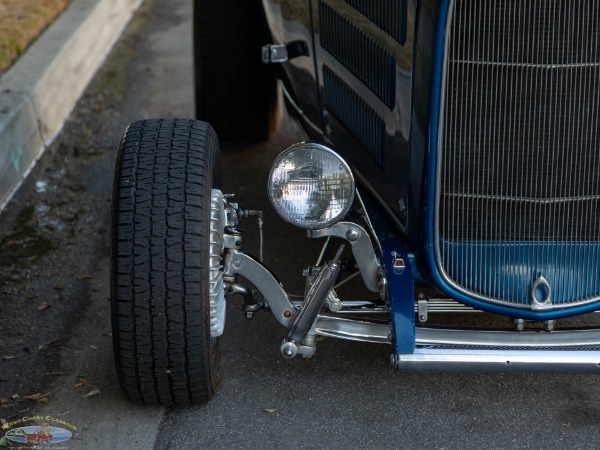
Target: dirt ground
[55,230]
[21,22]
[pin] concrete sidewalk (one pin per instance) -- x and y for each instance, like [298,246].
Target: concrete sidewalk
[39,91]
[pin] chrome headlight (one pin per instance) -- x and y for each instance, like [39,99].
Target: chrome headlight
[311,186]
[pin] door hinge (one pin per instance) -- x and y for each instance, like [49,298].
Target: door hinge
[279,53]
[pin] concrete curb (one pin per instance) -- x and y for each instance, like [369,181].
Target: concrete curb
[38,93]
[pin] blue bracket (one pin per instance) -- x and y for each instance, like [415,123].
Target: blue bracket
[401,291]
[399,276]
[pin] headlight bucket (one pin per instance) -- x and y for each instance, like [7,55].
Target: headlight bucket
[311,186]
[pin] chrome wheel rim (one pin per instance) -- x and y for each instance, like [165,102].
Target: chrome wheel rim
[216,247]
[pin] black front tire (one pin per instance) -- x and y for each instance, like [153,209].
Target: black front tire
[235,91]
[164,174]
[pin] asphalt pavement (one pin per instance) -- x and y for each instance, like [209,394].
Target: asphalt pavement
[346,397]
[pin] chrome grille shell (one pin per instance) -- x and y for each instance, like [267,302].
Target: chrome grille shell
[518,168]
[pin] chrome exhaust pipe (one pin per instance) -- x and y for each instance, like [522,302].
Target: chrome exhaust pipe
[471,360]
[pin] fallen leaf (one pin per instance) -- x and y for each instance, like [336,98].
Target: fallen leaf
[4,401]
[30,295]
[37,396]
[43,306]
[14,396]
[95,391]
[43,400]
[54,342]
[85,276]
[81,382]
[41,347]
[271,410]
[9,357]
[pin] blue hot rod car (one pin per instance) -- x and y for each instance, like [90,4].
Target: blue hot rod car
[452,162]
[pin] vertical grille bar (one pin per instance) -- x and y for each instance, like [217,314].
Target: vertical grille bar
[519,182]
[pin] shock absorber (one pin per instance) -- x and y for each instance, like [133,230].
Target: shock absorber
[312,304]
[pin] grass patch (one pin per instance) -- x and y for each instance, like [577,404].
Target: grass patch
[21,22]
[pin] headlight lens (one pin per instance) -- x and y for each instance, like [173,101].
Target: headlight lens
[311,186]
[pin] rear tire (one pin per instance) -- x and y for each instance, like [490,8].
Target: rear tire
[235,91]
[164,174]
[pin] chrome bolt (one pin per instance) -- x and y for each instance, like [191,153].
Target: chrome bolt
[352,235]
[336,306]
[289,350]
[237,263]
[520,324]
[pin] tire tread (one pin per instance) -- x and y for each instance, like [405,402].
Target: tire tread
[161,202]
